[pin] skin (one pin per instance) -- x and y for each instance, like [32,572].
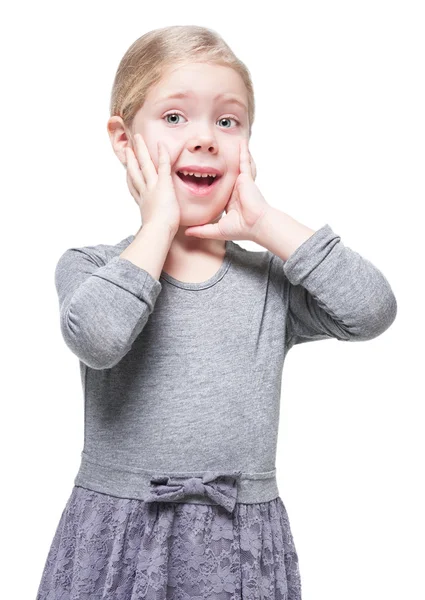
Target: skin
[207,132]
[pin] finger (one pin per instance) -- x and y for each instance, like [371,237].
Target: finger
[130,184]
[132,189]
[133,171]
[145,161]
[164,163]
[245,164]
[211,231]
[253,166]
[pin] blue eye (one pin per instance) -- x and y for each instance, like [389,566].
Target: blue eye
[228,119]
[171,114]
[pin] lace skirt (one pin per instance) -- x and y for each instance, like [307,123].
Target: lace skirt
[113,548]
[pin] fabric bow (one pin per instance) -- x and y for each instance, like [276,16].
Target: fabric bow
[220,487]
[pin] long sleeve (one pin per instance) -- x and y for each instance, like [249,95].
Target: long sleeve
[333,292]
[103,307]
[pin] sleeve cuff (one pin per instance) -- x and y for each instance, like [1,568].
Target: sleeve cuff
[134,279]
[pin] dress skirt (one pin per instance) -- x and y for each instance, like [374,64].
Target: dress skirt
[111,548]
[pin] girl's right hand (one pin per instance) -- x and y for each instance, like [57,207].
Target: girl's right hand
[153,191]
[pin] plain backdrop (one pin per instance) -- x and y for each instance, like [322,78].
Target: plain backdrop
[338,138]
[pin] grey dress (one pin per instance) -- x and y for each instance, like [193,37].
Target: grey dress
[176,496]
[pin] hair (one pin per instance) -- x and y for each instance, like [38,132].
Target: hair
[146,60]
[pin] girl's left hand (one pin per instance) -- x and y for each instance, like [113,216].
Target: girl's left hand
[244,210]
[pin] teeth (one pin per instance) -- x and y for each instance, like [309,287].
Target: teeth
[198,174]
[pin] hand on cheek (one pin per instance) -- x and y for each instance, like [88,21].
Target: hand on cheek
[244,143]
[244,209]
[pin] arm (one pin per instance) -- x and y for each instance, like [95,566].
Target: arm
[331,291]
[104,307]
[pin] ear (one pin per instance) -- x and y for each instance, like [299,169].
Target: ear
[120,137]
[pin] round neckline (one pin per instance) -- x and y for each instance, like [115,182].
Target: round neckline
[200,285]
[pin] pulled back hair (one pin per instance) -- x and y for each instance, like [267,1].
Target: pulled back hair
[146,60]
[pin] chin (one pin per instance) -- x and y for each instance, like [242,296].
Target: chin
[198,216]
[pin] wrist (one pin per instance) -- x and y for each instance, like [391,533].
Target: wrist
[262,224]
[162,228]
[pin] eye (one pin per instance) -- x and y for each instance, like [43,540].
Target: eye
[173,114]
[176,114]
[229,119]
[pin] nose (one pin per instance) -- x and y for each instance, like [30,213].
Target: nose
[212,149]
[203,141]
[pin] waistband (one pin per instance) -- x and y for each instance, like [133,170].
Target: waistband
[194,487]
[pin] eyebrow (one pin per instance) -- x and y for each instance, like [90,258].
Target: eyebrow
[188,94]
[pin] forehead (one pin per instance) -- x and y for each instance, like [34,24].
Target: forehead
[201,82]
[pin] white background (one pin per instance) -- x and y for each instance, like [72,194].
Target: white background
[338,138]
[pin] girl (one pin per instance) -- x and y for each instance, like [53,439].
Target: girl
[181,336]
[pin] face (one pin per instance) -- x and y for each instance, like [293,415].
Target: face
[203,129]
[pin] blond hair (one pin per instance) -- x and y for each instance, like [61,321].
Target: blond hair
[144,63]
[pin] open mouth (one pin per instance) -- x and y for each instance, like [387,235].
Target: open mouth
[200,186]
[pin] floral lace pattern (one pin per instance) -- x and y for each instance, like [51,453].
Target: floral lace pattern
[110,548]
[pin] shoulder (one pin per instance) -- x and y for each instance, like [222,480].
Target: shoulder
[268,266]
[96,254]
[255,259]
[260,265]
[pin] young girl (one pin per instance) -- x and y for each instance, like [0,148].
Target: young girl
[181,336]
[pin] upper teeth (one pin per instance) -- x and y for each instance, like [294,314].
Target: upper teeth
[198,174]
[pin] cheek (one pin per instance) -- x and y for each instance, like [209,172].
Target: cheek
[151,140]
[234,160]
[151,133]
